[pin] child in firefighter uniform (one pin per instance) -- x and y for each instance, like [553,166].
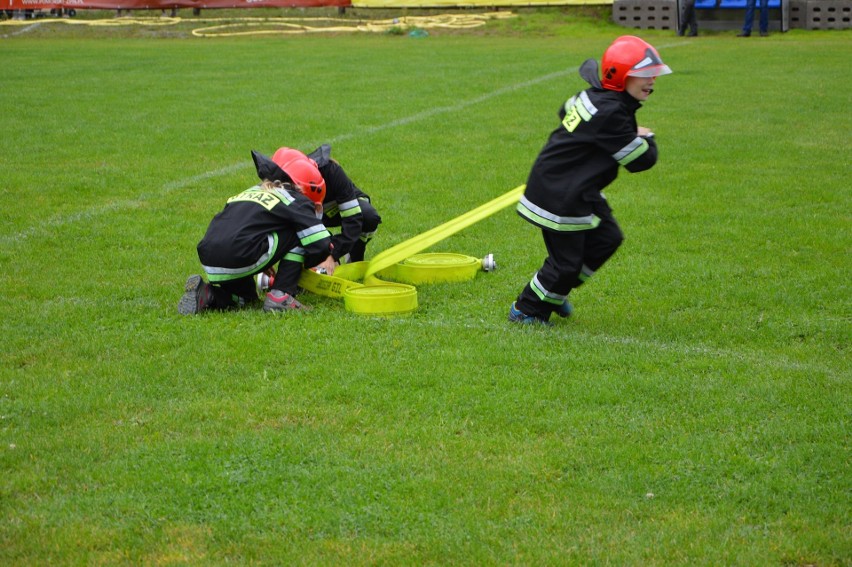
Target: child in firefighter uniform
[344,206]
[598,135]
[275,222]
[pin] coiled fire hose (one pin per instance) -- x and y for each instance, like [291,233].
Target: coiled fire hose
[403,264]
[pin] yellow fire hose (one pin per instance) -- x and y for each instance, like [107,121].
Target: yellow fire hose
[403,264]
[252,26]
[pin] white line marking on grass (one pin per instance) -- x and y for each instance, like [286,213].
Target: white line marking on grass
[455,107]
[22,30]
[61,220]
[58,221]
[752,358]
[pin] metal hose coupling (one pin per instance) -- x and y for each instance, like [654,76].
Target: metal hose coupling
[488,263]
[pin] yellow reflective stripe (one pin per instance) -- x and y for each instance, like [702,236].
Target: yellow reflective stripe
[578,109]
[313,234]
[545,295]
[546,219]
[350,208]
[631,151]
[296,254]
[265,199]
[218,274]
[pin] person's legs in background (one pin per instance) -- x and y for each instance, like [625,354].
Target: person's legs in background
[749,19]
[764,17]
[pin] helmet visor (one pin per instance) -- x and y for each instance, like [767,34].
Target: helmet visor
[652,71]
[649,66]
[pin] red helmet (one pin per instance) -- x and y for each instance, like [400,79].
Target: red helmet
[630,56]
[303,171]
[284,156]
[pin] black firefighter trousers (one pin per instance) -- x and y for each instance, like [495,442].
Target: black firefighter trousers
[573,257]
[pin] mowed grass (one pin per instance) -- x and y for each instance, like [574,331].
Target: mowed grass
[694,411]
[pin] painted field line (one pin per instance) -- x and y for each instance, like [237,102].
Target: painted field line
[61,220]
[22,30]
[426,114]
[751,358]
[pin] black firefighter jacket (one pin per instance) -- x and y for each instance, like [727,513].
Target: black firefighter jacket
[598,134]
[258,225]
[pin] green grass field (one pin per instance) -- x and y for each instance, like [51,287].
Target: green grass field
[694,411]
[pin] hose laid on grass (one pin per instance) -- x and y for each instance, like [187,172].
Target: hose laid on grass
[227,27]
[403,264]
[399,295]
[342,25]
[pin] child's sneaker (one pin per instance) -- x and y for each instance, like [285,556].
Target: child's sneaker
[277,300]
[565,310]
[518,316]
[197,296]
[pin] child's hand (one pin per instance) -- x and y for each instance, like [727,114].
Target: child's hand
[644,132]
[328,265]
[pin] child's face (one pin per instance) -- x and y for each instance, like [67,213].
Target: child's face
[640,88]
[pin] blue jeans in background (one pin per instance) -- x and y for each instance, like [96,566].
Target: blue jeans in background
[749,16]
